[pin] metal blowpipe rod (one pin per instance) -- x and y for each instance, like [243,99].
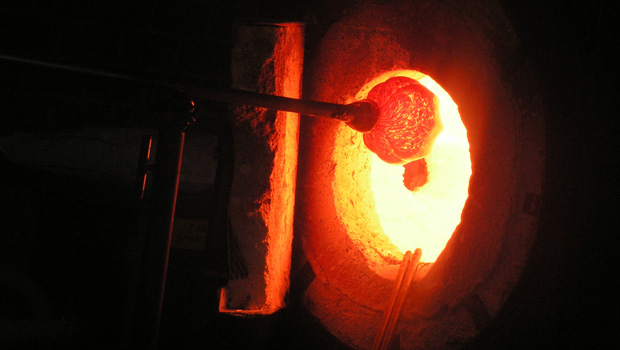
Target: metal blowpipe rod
[361,115]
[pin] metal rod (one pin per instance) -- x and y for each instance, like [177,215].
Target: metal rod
[309,108]
[406,272]
[146,314]
[76,69]
[143,163]
[361,115]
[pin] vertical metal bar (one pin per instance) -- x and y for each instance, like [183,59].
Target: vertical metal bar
[406,272]
[154,264]
[388,311]
[143,161]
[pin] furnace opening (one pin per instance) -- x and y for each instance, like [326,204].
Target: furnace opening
[388,210]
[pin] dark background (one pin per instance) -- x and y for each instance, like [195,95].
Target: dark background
[567,295]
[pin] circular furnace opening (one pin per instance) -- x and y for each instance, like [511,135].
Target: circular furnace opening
[398,217]
[354,263]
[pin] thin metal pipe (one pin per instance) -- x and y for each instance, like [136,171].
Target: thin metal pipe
[76,69]
[406,272]
[361,115]
[145,315]
[377,344]
[309,108]
[143,164]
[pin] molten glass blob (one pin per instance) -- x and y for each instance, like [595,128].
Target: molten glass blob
[408,120]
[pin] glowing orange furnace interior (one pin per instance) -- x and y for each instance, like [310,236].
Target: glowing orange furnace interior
[424,214]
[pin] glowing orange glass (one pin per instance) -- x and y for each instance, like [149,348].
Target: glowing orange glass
[408,120]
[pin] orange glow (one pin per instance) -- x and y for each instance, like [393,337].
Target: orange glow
[408,121]
[426,217]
